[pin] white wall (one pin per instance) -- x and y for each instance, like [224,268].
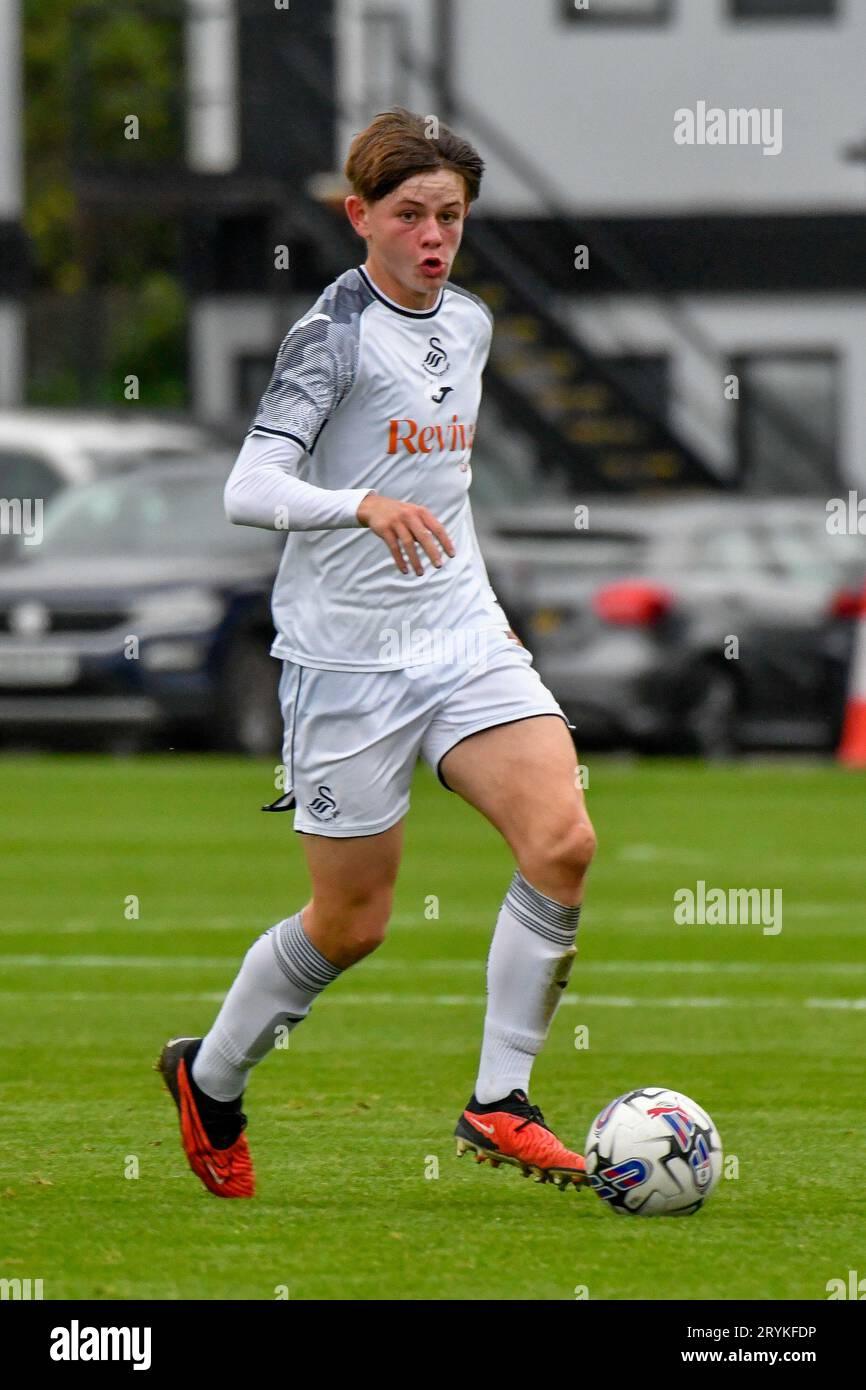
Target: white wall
[224,328]
[11,192]
[12,325]
[593,105]
[10,110]
[211,75]
[351,55]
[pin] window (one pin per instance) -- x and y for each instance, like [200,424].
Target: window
[384,71]
[647,377]
[726,549]
[783,9]
[253,374]
[157,514]
[617,11]
[26,475]
[788,421]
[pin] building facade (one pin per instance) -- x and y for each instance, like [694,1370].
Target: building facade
[672,220]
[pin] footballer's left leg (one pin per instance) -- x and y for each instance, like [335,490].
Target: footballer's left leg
[522,776]
[281,976]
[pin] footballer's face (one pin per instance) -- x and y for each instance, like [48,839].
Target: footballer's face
[413,235]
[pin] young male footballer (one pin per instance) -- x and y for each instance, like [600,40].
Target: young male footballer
[360,449]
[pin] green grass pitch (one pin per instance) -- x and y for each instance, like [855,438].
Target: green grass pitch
[350,1124]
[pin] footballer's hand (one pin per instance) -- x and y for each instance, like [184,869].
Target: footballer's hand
[400,525]
[514,637]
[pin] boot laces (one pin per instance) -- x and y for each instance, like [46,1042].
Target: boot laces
[532,1113]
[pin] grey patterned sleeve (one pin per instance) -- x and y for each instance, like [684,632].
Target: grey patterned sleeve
[315,369]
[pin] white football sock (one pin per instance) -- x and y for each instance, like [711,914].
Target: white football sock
[530,960]
[281,975]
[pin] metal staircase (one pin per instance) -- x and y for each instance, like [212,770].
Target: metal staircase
[549,386]
[542,375]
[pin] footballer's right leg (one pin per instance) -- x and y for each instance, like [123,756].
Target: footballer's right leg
[279,979]
[353,892]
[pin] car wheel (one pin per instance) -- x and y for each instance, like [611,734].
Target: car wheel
[711,718]
[250,720]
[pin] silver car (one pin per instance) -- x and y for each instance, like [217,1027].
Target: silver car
[701,625]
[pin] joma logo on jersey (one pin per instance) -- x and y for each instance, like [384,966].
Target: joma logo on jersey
[426,439]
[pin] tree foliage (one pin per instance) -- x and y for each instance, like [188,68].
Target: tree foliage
[88,66]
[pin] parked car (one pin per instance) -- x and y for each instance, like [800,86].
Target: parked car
[42,451]
[143,612]
[631,617]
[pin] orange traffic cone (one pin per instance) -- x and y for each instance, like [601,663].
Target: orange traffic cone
[852,749]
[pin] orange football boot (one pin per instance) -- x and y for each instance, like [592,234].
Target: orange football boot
[513,1131]
[212,1139]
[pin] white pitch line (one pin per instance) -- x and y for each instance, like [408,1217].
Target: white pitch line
[120,962]
[86,996]
[836,1003]
[648,967]
[651,915]
[201,924]
[610,1001]
[626,967]
[414,1001]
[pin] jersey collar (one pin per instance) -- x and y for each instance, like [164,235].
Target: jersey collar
[399,308]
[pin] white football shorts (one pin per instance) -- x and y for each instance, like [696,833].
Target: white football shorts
[352,738]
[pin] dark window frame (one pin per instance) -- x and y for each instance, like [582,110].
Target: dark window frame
[246,366]
[662,14]
[774,352]
[826,11]
[626,367]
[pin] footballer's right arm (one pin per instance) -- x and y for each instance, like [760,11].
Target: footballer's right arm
[314,371]
[262,490]
[400,525]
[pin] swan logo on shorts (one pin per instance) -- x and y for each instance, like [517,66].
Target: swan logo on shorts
[323,806]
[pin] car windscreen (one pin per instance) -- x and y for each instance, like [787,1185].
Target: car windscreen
[591,550]
[146,515]
[807,550]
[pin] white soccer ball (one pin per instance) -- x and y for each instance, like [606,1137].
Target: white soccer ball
[653,1152]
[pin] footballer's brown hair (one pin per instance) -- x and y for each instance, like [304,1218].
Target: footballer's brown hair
[396,145]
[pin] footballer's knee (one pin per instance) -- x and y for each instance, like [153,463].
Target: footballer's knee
[365,927]
[556,863]
[348,927]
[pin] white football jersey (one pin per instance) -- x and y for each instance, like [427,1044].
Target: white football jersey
[384,398]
